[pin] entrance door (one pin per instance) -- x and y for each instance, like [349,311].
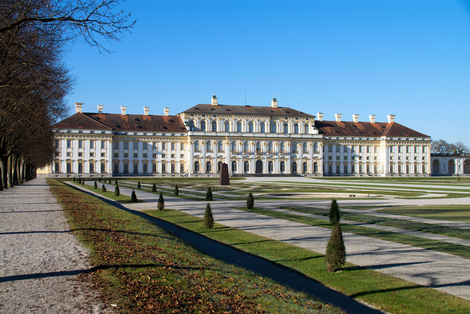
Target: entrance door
[259,166]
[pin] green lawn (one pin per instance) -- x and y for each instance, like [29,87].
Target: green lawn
[447,212]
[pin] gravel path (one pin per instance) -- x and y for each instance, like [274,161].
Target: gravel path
[41,261]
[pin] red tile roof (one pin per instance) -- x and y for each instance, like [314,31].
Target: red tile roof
[118,122]
[246,110]
[346,128]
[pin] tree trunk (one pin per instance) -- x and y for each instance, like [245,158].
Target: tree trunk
[10,171]
[1,184]
[4,161]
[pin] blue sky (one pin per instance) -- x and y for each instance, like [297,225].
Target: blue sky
[409,58]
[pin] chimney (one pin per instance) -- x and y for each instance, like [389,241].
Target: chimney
[338,117]
[214,101]
[372,118]
[274,103]
[167,111]
[356,118]
[78,107]
[391,118]
[320,116]
[100,108]
[123,110]
[146,111]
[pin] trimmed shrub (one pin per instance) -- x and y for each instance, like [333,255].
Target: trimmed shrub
[109,181]
[138,185]
[133,197]
[83,182]
[103,188]
[79,181]
[116,191]
[250,201]
[334,213]
[335,250]
[209,194]
[208,218]
[154,188]
[73,179]
[95,185]
[177,191]
[161,202]
[116,182]
[99,179]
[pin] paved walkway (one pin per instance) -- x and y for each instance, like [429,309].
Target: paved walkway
[442,271]
[40,261]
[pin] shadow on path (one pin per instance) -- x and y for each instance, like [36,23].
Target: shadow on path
[230,255]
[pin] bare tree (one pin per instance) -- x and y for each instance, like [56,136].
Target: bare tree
[444,148]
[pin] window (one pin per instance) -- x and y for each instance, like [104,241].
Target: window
[234,166]
[245,147]
[135,145]
[263,127]
[103,167]
[234,146]
[80,167]
[294,148]
[173,146]
[286,128]
[400,149]
[126,145]
[368,149]
[80,145]
[282,147]
[173,168]
[424,149]
[103,144]
[145,155]
[103,154]
[270,147]
[214,126]
[315,167]
[273,127]
[203,126]
[315,147]
[258,148]
[144,145]
[270,167]
[57,144]
[191,125]
[69,143]
[306,129]
[136,155]
[126,155]
[408,148]
[57,167]
[197,148]
[209,146]
[304,147]
[361,149]
[92,144]
[208,167]
[136,167]
[80,154]
[181,168]
[294,167]
[283,167]
[116,155]
[196,167]
[69,167]
[239,126]
[154,155]
[246,166]
[92,167]
[345,169]
[220,146]
[330,148]
[296,128]
[116,145]
[163,146]
[126,168]
[227,126]
[250,127]
[154,167]
[416,149]
[116,168]
[182,146]
[163,168]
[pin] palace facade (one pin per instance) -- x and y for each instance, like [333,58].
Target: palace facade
[250,139]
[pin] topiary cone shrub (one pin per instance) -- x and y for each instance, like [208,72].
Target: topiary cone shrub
[116,191]
[208,218]
[138,185]
[73,179]
[154,188]
[133,197]
[116,182]
[209,194]
[177,191]
[83,182]
[334,213]
[79,181]
[250,201]
[95,185]
[161,202]
[99,179]
[335,250]
[103,188]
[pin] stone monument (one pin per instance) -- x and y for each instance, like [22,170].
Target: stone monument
[224,178]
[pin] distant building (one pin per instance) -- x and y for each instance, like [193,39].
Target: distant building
[450,165]
[250,139]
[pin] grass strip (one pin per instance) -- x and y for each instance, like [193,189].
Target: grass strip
[392,222]
[451,213]
[143,269]
[383,291]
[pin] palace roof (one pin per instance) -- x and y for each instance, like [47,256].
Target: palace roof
[378,129]
[246,110]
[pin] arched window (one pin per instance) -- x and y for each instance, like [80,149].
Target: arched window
[208,146]
[315,167]
[234,146]
[258,147]
[270,147]
[306,129]
[286,128]
[191,125]
[262,127]
[304,147]
[197,148]
[304,167]
[273,127]
[214,126]
[283,167]
[296,128]
[196,167]
[282,147]
[250,127]
[227,126]
[270,167]
[203,125]
[219,166]
[246,166]
[315,147]
[294,147]
[234,166]
[220,146]
[245,147]
[294,167]
[208,167]
[239,126]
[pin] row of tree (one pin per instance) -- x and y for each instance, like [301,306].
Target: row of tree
[444,148]
[34,35]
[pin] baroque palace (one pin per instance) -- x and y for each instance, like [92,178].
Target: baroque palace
[249,139]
